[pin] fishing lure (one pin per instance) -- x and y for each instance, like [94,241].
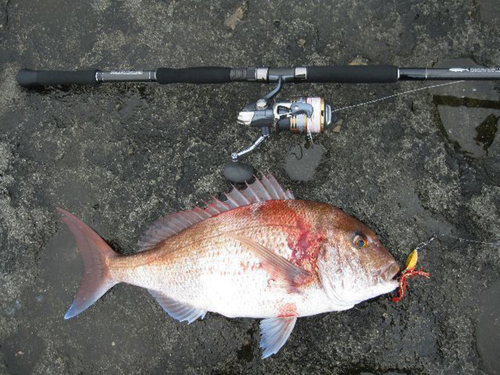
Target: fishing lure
[407,273]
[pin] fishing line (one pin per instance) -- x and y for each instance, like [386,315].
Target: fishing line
[373,101]
[421,245]
[472,241]
[424,244]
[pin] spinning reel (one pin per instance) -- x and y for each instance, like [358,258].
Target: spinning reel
[300,115]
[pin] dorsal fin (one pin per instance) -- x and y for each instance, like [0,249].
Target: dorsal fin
[259,191]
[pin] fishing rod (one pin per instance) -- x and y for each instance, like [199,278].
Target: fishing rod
[299,115]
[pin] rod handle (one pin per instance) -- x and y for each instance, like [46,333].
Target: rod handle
[35,78]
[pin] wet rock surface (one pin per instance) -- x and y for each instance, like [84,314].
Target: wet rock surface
[488,328]
[302,160]
[119,156]
[461,106]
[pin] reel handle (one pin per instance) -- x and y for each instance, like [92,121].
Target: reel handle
[238,172]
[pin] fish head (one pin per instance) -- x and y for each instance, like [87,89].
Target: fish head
[354,264]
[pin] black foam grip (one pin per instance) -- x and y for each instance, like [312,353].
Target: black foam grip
[194,75]
[353,74]
[34,78]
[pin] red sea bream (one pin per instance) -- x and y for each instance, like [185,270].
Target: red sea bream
[259,254]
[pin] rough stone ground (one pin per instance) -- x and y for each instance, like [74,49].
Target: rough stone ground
[119,156]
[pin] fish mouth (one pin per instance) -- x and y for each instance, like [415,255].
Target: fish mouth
[389,272]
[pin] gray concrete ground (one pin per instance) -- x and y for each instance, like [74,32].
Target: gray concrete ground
[121,156]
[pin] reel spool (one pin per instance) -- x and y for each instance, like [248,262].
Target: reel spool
[316,115]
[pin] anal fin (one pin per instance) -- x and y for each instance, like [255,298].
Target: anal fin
[275,333]
[177,310]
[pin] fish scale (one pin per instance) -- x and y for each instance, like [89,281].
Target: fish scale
[260,254]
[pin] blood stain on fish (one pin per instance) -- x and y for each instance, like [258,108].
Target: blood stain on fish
[287,310]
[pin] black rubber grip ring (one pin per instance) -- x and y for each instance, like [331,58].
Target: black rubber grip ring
[194,75]
[353,74]
[34,78]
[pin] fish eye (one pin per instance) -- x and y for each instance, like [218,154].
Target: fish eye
[360,241]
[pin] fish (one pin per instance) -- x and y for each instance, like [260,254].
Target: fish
[259,254]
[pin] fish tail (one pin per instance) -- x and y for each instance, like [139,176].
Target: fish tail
[96,255]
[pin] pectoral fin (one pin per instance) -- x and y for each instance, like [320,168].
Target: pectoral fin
[277,266]
[275,332]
